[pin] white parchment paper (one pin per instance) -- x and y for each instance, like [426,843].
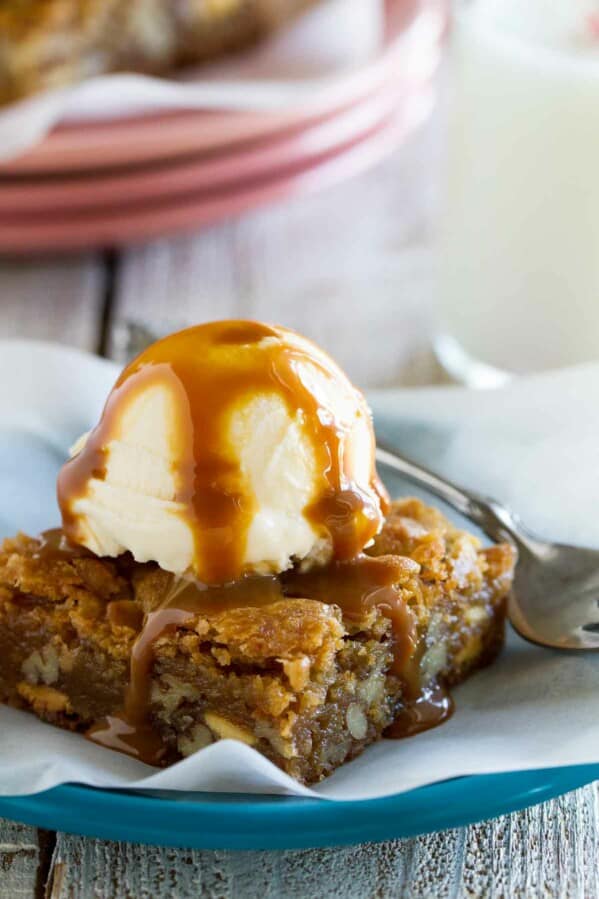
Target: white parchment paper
[533,444]
[316,54]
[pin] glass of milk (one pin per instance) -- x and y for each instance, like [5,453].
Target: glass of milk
[519,251]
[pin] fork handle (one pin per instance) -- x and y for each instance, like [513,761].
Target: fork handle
[496,521]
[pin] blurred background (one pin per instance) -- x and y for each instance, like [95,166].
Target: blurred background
[410,184]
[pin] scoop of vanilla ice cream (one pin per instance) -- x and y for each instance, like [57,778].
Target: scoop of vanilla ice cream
[133,506]
[134,500]
[281,467]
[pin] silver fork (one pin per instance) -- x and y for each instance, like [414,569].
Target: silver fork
[555,600]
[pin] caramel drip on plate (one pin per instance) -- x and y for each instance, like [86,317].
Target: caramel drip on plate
[135,738]
[213,370]
[431,706]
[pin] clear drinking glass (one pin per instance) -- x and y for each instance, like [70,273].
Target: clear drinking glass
[519,250]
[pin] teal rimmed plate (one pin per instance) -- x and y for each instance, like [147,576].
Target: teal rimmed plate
[232,821]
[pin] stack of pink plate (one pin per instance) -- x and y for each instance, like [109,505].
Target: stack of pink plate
[110,182]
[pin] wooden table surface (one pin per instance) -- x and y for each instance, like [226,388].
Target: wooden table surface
[353,269]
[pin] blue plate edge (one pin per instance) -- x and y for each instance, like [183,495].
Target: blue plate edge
[289,822]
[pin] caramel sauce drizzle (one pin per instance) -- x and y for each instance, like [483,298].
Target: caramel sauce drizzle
[212,369]
[430,707]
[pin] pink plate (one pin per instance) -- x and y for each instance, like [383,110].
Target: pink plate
[135,140]
[21,198]
[111,227]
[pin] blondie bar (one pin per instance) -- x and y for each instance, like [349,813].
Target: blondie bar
[307,668]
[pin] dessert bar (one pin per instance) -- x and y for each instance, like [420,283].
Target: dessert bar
[301,666]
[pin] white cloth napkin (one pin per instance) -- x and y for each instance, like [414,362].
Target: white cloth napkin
[532,444]
[326,44]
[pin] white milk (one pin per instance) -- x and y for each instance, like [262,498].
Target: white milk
[519,261]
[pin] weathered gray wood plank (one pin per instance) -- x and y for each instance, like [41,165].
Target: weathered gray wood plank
[351,267]
[58,299]
[19,860]
[548,851]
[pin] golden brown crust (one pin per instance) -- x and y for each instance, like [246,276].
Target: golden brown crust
[58,580]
